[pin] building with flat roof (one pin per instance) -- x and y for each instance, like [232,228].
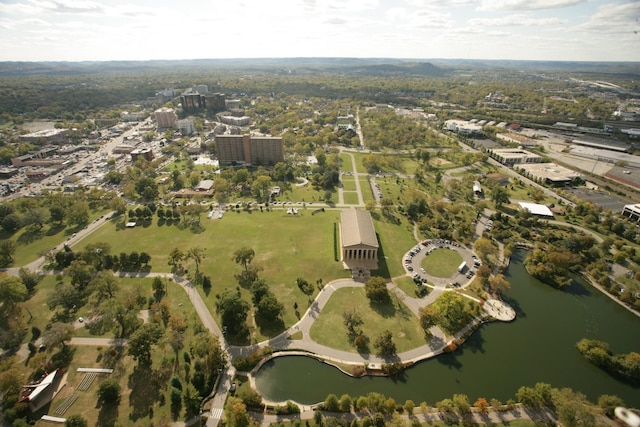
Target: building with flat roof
[463,127]
[145,153]
[47,136]
[165,118]
[632,212]
[513,156]
[358,243]
[249,149]
[215,101]
[549,173]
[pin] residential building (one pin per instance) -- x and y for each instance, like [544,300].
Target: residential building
[166,118]
[185,126]
[249,149]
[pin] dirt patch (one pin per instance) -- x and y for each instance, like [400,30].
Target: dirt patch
[439,162]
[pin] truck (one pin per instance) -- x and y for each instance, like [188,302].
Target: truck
[462,266]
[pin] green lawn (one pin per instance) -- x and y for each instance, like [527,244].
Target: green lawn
[301,194]
[329,328]
[286,247]
[346,165]
[350,197]
[442,262]
[365,187]
[32,244]
[395,240]
[407,285]
[348,184]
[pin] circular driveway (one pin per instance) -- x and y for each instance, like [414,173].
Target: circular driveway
[412,262]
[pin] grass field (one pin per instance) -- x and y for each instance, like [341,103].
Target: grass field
[286,247]
[395,240]
[365,188]
[407,285]
[442,262]
[346,165]
[348,183]
[350,197]
[305,193]
[329,328]
[32,244]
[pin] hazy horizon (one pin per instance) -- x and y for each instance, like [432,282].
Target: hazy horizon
[535,30]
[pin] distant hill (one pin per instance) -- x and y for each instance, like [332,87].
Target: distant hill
[364,66]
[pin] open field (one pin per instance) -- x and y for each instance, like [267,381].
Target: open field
[348,183]
[286,247]
[329,328]
[32,244]
[351,197]
[346,165]
[395,240]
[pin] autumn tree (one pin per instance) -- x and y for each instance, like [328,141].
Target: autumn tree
[428,319]
[244,256]
[376,290]
[384,344]
[499,284]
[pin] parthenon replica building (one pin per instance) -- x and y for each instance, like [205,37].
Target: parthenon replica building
[358,243]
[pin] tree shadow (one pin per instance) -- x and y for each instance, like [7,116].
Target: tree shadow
[55,229]
[107,416]
[146,387]
[30,236]
[385,309]
[383,268]
[270,327]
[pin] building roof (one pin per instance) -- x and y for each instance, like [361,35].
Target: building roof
[205,185]
[357,228]
[536,209]
[37,389]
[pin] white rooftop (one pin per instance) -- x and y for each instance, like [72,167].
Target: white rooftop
[536,209]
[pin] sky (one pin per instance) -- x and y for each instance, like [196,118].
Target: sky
[101,30]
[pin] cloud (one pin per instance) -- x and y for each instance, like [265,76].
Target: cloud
[527,4]
[420,19]
[613,18]
[440,3]
[517,20]
[70,6]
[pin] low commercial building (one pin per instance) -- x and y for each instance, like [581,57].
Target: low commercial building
[144,153]
[358,243]
[47,136]
[463,127]
[549,173]
[632,212]
[514,156]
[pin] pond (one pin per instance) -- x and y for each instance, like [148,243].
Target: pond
[539,346]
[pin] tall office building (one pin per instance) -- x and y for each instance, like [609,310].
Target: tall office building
[165,118]
[248,149]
